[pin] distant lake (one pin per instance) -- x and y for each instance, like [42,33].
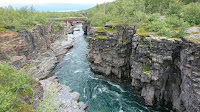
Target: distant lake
[58,6]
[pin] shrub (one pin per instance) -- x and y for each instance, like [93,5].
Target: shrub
[174,8]
[176,22]
[12,83]
[153,17]
[161,27]
[192,13]
[99,19]
[146,68]
[14,19]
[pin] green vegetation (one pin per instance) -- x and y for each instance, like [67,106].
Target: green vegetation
[141,29]
[87,38]
[99,29]
[177,36]
[7,57]
[14,82]
[194,40]
[150,44]
[14,19]
[115,23]
[96,35]
[47,104]
[146,68]
[192,13]
[111,30]
[179,15]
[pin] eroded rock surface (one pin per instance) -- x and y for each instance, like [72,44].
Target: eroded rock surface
[164,71]
[63,97]
[110,56]
[39,50]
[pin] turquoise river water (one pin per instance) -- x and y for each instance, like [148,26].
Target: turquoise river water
[102,95]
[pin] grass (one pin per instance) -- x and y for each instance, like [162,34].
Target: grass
[96,35]
[150,44]
[146,68]
[7,57]
[141,30]
[117,22]
[2,28]
[177,36]
[194,40]
[111,30]
[99,29]
[13,83]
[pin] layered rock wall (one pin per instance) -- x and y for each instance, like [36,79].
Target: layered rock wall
[163,71]
[166,72]
[38,50]
[110,56]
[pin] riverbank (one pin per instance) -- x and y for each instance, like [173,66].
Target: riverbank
[38,50]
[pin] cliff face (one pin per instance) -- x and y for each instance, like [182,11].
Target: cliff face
[166,72]
[190,75]
[163,71]
[39,49]
[110,56]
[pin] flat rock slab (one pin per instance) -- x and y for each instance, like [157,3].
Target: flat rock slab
[193,29]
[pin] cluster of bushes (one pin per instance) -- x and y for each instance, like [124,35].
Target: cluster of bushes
[179,14]
[12,83]
[17,18]
[166,26]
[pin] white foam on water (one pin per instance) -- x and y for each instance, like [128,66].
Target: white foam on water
[117,86]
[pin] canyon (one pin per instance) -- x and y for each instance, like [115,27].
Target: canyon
[37,50]
[164,71]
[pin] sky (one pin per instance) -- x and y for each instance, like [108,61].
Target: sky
[13,2]
[53,5]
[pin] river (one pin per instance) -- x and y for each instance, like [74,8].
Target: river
[102,95]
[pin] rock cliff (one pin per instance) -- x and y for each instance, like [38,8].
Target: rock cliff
[163,71]
[38,50]
[110,55]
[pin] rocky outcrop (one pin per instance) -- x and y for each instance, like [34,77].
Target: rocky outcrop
[46,62]
[155,70]
[163,71]
[39,47]
[166,71]
[63,97]
[86,27]
[110,56]
[190,75]
[38,50]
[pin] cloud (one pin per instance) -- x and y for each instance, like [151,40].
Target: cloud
[14,2]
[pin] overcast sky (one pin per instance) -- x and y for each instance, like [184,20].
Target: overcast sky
[25,2]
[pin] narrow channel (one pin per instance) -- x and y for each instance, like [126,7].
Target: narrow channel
[102,95]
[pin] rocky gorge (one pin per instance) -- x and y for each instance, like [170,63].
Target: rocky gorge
[37,50]
[164,71]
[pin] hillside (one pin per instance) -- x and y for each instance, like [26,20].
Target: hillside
[166,17]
